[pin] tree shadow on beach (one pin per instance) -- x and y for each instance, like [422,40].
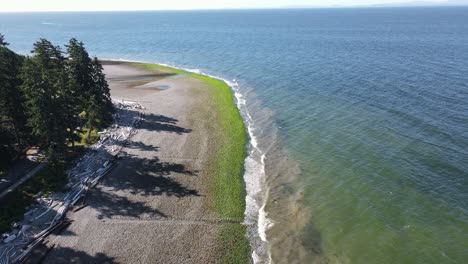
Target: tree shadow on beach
[158,123]
[66,232]
[152,122]
[69,255]
[163,119]
[134,176]
[149,177]
[120,193]
[137,145]
[109,205]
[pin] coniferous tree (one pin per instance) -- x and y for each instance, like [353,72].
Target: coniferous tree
[102,93]
[45,94]
[91,84]
[12,116]
[45,84]
[80,68]
[2,41]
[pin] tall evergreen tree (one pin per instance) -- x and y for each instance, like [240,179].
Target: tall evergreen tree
[102,93]
[99,109]
[45,84]
[12,116]
[2,41]
[91,85]
[80,68]
[48,93]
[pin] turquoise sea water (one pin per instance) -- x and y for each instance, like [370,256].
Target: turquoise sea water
[372,104]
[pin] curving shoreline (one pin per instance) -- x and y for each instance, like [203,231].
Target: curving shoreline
[256,217]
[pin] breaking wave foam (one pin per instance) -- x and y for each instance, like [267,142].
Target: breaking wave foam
[257,194]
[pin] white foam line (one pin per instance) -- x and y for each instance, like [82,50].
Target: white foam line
[254,175]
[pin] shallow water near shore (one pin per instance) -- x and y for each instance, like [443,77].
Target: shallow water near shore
[358,118]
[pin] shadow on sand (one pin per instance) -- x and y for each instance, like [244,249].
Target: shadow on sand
[119,194]
[159,123]
[152,122]
[68,255]
[136,176]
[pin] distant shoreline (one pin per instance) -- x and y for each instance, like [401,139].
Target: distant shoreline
[415,4]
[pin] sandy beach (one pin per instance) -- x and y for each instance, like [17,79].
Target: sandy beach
[156,206]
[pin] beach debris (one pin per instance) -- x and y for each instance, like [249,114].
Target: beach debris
[79,208]
[9,238]
[49,214]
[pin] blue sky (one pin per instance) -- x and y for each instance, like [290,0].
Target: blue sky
[101,5]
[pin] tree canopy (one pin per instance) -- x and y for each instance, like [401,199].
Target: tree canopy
[2,41]
[13,128]
[50,97]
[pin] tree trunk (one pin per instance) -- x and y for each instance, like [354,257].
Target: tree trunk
[18,140]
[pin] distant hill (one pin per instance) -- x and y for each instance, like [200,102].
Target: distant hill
[424,3]
[391,4]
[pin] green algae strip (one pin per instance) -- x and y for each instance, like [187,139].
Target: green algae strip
[228,167]
[158,68]
[227,183]
[227,186]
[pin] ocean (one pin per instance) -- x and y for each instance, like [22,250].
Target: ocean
[358,118]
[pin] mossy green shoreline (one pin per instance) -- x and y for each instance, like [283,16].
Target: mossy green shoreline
[227,186]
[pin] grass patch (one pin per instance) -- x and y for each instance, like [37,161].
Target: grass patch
[158,69]
[227,169]
[93,138]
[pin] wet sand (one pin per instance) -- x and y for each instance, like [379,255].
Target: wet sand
[154,207]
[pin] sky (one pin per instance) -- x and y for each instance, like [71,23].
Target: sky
[117,5]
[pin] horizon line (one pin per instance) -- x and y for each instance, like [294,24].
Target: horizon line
[241,8]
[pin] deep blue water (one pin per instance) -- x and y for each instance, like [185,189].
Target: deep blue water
[371,103]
